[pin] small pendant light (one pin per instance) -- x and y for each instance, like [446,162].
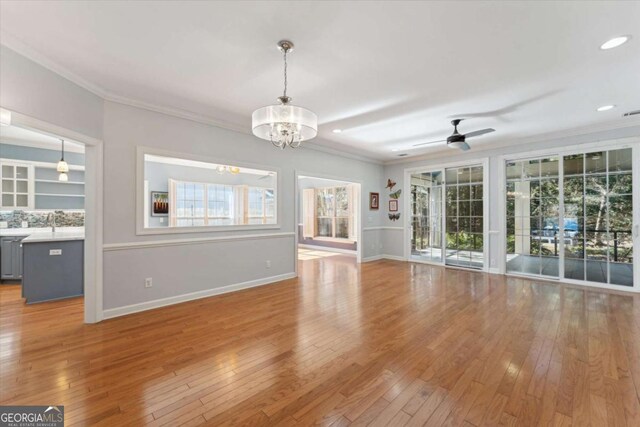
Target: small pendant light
[63,167]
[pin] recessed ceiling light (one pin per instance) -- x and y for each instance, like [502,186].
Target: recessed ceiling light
[614,42]
[337,131]
[605,108]
[394,149]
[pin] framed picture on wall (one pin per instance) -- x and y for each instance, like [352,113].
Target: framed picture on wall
[393,205]
[374,201]
[159,203]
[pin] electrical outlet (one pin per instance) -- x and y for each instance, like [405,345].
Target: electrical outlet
[55,252]
[148,282]
[25,224]
[4,224]
[268,264]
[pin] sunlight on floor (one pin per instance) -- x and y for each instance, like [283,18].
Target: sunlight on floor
[309,254]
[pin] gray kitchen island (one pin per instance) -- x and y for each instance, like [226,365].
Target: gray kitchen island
[53,266]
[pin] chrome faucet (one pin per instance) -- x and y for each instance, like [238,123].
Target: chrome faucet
[51,220]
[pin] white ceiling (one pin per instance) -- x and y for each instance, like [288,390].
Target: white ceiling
[390,74]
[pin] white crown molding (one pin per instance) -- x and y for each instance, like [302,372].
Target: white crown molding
[544,137]
[18,46]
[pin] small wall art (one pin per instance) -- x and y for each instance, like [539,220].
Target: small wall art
[159,203]
[393,205]
[374,201]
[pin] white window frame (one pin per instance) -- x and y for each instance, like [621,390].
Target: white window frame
[615,144]
[484,162]
[240,212]
[141,230]
[335,216]
[264,217]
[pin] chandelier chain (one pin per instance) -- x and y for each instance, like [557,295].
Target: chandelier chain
[285,73]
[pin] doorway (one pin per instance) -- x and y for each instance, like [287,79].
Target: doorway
[92,254]
[328,214]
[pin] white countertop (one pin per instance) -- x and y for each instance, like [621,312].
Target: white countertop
[53,237]
[45,234]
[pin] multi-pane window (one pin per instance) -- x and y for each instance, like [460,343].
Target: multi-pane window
[190,202]
[571,216]
[219,204]
[261,203]
[333,212]
[198,204]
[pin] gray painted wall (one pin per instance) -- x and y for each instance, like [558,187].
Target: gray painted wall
[178,270]
[9,150]
[31,89]
[35,91]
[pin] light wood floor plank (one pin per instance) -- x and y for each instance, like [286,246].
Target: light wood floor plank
[385,343]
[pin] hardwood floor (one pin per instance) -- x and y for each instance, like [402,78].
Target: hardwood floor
[386,343]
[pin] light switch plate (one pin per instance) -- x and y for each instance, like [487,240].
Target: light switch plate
[25,224]
[55,251]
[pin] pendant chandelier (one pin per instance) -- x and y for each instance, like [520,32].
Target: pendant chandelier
[283,124]
[233,170]
[62,167]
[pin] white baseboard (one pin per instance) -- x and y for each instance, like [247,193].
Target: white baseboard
[327,249]
[384,256]
[394,257]
[163,302]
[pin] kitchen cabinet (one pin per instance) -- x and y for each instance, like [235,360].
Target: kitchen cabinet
[11,257]
[53,267]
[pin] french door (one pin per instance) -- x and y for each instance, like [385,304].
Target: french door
[447,216]
[571,216]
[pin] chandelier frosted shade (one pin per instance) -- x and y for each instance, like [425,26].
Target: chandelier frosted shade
[284,125]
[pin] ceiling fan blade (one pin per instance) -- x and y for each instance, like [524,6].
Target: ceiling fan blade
[464,146]
[430,142]
[479,132]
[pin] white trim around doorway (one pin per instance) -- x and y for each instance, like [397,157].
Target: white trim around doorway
[93,296]
[296,200]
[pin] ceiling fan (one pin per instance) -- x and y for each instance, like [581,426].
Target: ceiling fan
[458,140]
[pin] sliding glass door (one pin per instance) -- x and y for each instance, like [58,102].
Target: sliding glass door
[426,216]
[598,198]
[533,217]
[447,216]
[571,217]
[464,217]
